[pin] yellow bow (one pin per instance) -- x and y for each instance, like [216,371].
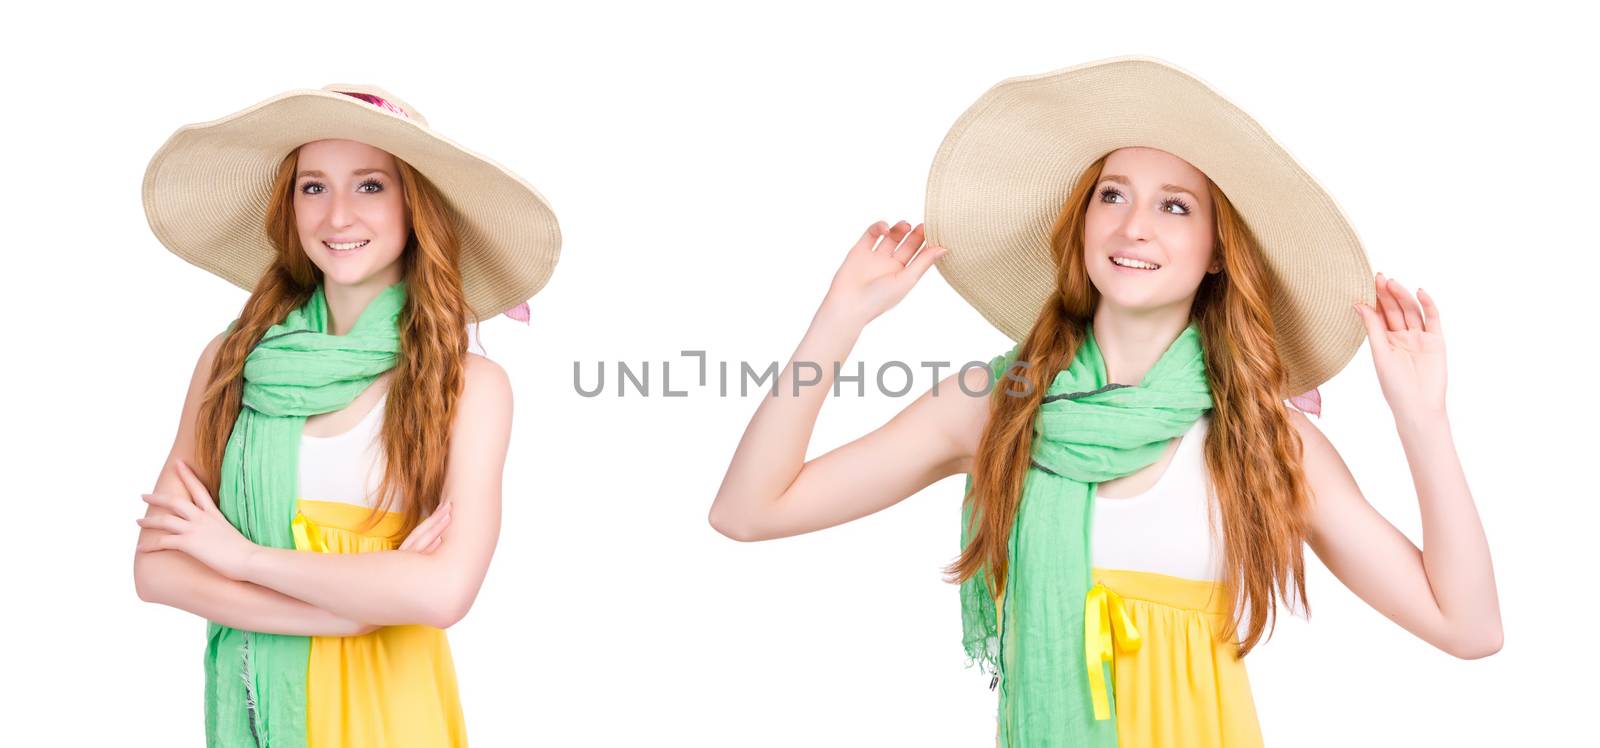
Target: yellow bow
[307,535]
[1102,612]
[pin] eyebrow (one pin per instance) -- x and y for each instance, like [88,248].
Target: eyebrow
[357,172]
[1118,178]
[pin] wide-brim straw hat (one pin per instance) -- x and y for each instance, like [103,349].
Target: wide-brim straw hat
[1004,171]
[207,189]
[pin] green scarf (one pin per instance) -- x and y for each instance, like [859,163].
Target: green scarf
[1041,652]
[256,682]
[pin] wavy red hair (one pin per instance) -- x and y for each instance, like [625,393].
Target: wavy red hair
[427,378]
[1253,452]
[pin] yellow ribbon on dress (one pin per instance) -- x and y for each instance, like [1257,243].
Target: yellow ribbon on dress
[1103,616]
[307,535]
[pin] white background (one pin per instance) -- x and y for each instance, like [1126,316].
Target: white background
[710,165]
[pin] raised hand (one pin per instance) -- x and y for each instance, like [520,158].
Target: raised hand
[879,270]
[1407,342]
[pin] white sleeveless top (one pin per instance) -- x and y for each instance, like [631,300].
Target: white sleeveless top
[1164,529]
[348,467]
[345,467]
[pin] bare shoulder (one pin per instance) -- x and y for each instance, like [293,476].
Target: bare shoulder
[1314,444]
[481,432]
[975,385]
[483,378]
[958,407]
[184,441]
[208,355]
[1331,484]
[485,390]
[201,376]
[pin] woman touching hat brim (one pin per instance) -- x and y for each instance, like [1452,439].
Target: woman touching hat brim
[1000,178]
[207,189]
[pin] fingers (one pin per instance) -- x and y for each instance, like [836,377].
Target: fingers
[1372,321]
[1408,305]
[415,536]
[431,539]
[162,522]
[421,534]
[174,504]
[429,529]
[908,245]
[868,239]
[1430,313]
[1392,316]
[164,542]
[410,541]
[892,240]
[924,260]
[197,490]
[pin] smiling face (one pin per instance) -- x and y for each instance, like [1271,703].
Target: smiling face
[1149,206]
[350,212]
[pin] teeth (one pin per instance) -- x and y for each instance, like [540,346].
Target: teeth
[346,245]
[1125,262]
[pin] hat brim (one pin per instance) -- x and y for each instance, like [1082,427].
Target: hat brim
[1003,173]
[207,189]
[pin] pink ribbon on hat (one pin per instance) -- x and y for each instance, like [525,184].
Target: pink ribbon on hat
[1308,402]
[519,312]
[377,101]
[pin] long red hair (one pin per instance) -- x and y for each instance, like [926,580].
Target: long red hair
[1252,452]
[427,378]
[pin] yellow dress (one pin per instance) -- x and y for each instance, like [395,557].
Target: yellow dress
[1182,686]
[393,687]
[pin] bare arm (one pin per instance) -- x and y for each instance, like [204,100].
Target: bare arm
[173,578]
[412,586]
[1444,593]
[770,491]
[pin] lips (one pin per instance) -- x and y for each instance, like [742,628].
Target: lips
[345,246]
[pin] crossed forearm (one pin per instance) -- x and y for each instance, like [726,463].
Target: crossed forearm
[175,579]
[383,587]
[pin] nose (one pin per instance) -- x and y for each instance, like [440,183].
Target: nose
[1136,226]
[340,213]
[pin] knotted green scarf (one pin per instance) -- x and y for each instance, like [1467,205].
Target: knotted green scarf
[255,682]
[1087,431]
